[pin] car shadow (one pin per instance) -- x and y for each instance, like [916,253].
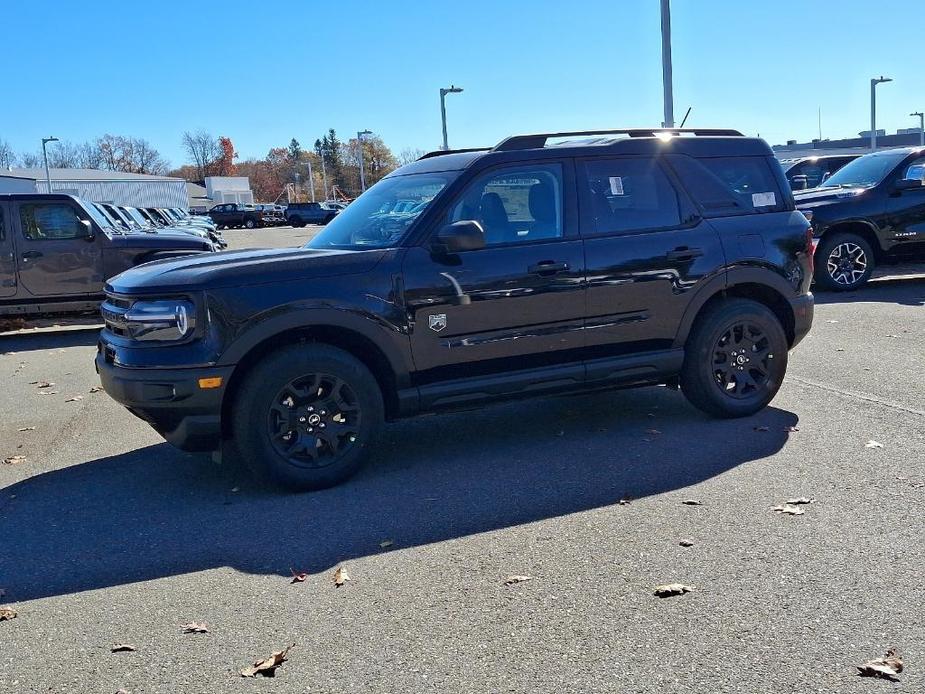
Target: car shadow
[37,341]
[158,512]
[908,291]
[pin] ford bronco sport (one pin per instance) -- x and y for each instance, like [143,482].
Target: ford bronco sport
[612,259]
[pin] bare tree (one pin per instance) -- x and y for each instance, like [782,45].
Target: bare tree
[30,160]
[90,156]
[64,155]
[409,155]
[203,149]
[7,157]
[146,159]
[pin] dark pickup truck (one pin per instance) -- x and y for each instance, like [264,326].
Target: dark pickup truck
[233,215]
[298,214]
[56,252]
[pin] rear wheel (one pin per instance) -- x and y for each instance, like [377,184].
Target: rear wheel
[306,415]
[735,359]
[844,261]
[249,224]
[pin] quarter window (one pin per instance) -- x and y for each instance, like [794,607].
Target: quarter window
[42,222]
[516,205]
[729,185]
[623,195]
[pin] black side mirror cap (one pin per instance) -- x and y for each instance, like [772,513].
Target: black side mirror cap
[464,235]
[88,227]
[910,184]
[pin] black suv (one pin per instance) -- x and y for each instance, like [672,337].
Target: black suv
[809,172]
[871,211]
[618,258]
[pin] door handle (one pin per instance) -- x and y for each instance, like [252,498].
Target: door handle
[29,255]
[684,253]
[547,267]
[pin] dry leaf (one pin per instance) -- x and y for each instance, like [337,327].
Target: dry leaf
[298,576]
[839,349]
[386,543]
[96,389]
[123,648]
[123,691]
[892,336]
[27,429]
[7,613]
[799,500]
[41,384]
[873,444]
[48,392]
[671,589]
[267,667]
[194,628]
[886,667]
[761,428]
[692,502]
[14,460]
[75,398]
[511,580]
[789,510]
[341,576]
[686,543]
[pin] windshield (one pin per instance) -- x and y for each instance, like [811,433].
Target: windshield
[382,215]
[137,216]
[866,171]
[102,221]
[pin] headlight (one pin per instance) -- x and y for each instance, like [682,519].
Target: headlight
[161,321]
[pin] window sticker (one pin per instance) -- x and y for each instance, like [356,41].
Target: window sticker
[764,199]
[616,185]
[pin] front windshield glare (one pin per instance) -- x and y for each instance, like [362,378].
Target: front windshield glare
[381,216]
[866,171]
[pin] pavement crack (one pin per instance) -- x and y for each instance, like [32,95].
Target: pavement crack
[857,396]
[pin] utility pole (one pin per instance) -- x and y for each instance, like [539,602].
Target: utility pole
[324,177]
[311,178]
[921,126]
[45,141]
[666,65]
[873,108]
[360,135]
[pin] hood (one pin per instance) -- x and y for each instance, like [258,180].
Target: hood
[813,196]
[241,268]
[166,240]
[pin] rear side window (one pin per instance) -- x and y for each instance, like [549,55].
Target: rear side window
[625,195]
[729,185]
[50,221]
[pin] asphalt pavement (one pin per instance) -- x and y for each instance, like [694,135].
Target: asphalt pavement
[110,536]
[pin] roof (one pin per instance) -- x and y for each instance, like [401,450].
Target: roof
[9,173]
[85,175]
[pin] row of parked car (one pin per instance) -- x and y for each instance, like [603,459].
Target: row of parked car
[247,216]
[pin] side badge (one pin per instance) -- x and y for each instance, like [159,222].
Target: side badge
[437,322]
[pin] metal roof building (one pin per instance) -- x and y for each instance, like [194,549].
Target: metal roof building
[135,190]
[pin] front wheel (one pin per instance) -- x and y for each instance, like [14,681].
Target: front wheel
[844,262]
[306,415]
[735,359]
[250,224]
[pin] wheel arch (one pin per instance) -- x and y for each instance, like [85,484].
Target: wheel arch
[863,228]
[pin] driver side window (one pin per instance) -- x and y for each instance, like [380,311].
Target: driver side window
[514,205]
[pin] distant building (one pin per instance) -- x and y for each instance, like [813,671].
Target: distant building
[135,190]
[198,197]
[907,137]
[222,189]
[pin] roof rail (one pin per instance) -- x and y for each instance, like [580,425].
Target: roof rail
[441,152]
[539,140]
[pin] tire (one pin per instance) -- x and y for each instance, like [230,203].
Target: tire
[735,359]
[844,261]
[292,387]
[296,222]
[250,224]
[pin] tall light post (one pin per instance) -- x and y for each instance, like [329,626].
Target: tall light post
[873,108]
[360,147]
[324,176]
[311,178]
[921,126]
[666,65]
[45,141]
[452,89]
[297,177]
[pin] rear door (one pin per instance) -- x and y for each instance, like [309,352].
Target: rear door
[7,256]
[647,251]
[57,252]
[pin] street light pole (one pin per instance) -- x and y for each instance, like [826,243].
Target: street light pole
[45,141]
[873,108]
[921,126]
[311,179]
[666,65]
[324,177]
[360,135]
[452,89]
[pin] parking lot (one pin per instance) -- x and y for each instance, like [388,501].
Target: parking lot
[110,536]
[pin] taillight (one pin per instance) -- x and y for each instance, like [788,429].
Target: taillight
[810,249]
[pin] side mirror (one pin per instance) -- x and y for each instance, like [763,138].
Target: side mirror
[88,230]
[910,184]
[464,235]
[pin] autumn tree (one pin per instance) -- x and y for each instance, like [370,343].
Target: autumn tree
[224,166]
[378,161]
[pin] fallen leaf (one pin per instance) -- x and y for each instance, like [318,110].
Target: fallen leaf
[41,384]
[123,691]
[123,648]
[839,349]
[298,576]
[873,444]
[797,501]
[671,589]
[267,667]
[831,321]
[14,460]
[194,628]
[692,502]
[761,428]
[341,577]
[892,336]
[96,389]
[75,398]
[686,543]
[7,613]
[27,429]
[886,667]
[48,392]
[386,543]
[789,510]
[512,580]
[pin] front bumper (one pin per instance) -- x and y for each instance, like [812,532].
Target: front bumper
[170,400]
[803,308]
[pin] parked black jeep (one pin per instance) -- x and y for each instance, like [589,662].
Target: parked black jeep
[298,214]
[632,258]
[231,215]
[56,252]
[871,211]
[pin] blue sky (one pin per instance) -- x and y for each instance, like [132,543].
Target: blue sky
[264,72]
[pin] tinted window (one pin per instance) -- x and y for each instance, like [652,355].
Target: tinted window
[730,185]
[867,171]
[916,170]
[515,205]
[50,221]
[620,195]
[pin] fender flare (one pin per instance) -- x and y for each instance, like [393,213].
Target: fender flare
[863,221]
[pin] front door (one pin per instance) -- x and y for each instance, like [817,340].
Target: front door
[514,304]
[7,256]
[905,212]
[57,252]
